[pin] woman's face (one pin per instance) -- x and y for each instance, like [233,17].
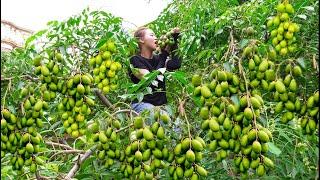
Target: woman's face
[149,40]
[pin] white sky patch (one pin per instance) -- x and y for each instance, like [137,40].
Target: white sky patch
[34,14]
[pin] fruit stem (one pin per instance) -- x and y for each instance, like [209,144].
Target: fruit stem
[248,95]
[124,128]
[185,117]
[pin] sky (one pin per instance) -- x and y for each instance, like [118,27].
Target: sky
[34,14]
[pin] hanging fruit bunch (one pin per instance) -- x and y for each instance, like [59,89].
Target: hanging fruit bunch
[147,151]
[261,70]
[109,143]
[309,122]
[105,68]
[20,139]
[50,73]
[233,126]
[166,39]
[188,155]
[283,30]
[286,93]
[75,107]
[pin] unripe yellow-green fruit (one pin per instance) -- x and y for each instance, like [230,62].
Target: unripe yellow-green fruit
[263,136]
[196,80]
[147,134]
[190,156]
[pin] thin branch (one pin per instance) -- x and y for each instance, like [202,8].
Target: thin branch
[60,145]
[67,152]
[104,100]
[80,160]
[126,111]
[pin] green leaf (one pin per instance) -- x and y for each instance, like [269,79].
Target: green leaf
[235,99]
[140,96]
[244,43]
[180,76]
[302,16]
[35,36]
[219,31]
[301,61]
[274,149]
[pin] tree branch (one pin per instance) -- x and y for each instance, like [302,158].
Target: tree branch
[67,152]
[104,100]
[60,145]
[80,160]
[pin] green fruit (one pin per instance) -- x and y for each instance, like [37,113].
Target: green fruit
[160,133]
[255,163]
[81,89]
[188,172]
[263,65]
[33,168]
[165,118]
[312,125]
[223,144]
[185,144]
[256,147]
[218,90]
[196,80]
[263,136]
[268,162]
[297,71]
[289,106]
[213,145]
[45,71]
[138,156]
[222,76]
[38,105]
[204,112]
[196,145]
[248,113]
[227,124]
[102,137]
[260,170]
[310,102]
[194,176]
[255,102]
[293,85]
[147,134]
[252,64]
[190,156]
[270,75]
[138,122]
[244,140]
[205,92]
[280,88]
[201,171]
[289,8]
[214,125]
[29,148]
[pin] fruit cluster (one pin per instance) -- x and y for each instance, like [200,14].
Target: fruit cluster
[232,127]
[309,122]
[75,106]
[282,29]
[188,154]
[147,152]
[261,71]
[105,69]
[108,149]
[49,74]
[19,137]
[166,39]
[286,94]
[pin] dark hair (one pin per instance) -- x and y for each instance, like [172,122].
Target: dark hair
[139,33]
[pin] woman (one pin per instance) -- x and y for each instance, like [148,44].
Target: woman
[145,62]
